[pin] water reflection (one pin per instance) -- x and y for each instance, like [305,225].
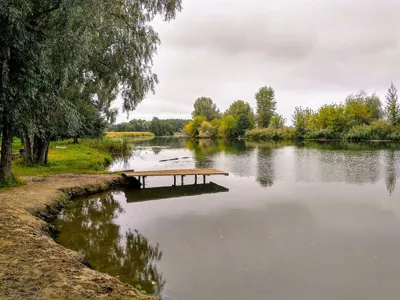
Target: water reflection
[337,166]
[286,215]
[352,163]
[156,150]
[265,166]
[166,192]
[162,142]
[89,227]
[390,172]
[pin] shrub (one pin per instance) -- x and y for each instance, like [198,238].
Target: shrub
[323,134]
[227,129]
[264,134]
[378,130]
[192,128]
[207,130]
[113,146]
[10,182]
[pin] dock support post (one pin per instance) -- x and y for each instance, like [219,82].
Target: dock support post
[182,179]
[139,179]
[174,180]
[144,181]
[195,179]
[204,179]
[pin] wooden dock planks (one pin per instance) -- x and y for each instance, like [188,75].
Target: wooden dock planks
[182,172]
[142,175]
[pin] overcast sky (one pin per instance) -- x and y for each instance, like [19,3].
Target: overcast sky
[311,52]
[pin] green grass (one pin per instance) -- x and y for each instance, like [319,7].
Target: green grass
[109,145]
[16,145]
[66,157]
[129,134]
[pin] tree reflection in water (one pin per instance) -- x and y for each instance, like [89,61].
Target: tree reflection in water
[88,226]
[390,172]
[265,166]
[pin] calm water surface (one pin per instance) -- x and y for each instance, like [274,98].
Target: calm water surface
[313,221]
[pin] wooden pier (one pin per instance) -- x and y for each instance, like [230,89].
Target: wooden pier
[141,175]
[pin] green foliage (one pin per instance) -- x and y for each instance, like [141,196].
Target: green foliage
[204,107]
[265,134]
[243,123]
[227,128]
[301,121]
[266,106]
[109,145]
[378,130]
[240,107]
[392,106]
[357,113]
[10,181]
[208,130]
[277,121]
[331,117]
[192,128]
[372,104]
[64,62]
[160,127]
[323,134]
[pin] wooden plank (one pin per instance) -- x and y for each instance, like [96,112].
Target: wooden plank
[207,172]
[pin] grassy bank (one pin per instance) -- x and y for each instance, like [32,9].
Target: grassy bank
[128,134]
[275,134]
[377,131]
[89,156]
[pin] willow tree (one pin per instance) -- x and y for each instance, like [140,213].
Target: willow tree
[97,48]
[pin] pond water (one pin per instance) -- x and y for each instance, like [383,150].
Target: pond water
[307,221]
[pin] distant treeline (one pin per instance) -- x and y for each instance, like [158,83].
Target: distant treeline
[361,116]
[157,126]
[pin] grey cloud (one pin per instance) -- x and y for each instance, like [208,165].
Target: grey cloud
[233,35]
[292,29]
[312,52]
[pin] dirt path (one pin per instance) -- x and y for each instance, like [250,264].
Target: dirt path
[32,264]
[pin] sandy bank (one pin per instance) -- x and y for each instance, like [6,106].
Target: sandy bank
[32,264]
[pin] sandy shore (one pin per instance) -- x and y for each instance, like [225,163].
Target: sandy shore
[32,264]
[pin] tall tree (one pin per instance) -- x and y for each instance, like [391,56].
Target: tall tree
[205,107]
[102,48]
[392,106]
[266,106]
[243,114]
[239,107]
[366,107]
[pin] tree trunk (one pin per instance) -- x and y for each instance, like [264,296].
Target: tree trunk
[28,146]
[41,149]
[76,140]
[6,147]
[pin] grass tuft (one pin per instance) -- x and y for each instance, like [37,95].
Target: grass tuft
[11,181]
[109,145]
